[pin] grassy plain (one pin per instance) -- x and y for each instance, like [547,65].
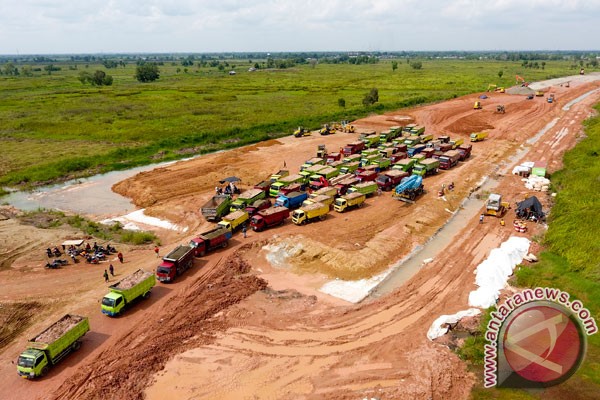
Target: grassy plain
[53,126]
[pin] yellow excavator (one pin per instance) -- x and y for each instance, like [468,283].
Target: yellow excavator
[495,88]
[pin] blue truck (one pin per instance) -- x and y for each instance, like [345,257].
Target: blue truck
[291,200]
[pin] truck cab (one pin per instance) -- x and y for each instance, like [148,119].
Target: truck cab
[112,303]
[32,363]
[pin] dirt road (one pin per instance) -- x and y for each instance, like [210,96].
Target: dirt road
[289,340]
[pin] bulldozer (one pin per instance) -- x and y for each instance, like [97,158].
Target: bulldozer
[346,127]
[301,131]
[500,109]
[477,105]
[494,205]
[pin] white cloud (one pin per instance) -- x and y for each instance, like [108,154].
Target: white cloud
[61,26]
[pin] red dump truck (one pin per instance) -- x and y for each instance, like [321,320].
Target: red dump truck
[214,239]
[353,148]
[258,205]
[449,159]
[175,263]
[269,217]
[465,151]
[367,175]
[390,179]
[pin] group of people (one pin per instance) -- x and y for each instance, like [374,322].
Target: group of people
[442,191]
[229,189]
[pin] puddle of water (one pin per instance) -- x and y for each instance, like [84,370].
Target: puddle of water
[405,269]
[87,196]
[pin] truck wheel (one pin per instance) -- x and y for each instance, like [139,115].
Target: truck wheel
[75,346]
[322,217]
[44,371]
[146,295]
[225,244]
[359,205]
[202,253]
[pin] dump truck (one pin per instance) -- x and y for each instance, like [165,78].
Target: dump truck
[269,217]
[263,185]
[309,213]
[370,140]
[401,147]
[381,163]
[465,151]
[366,188]
[550,98]
[175,263]
[495,206]
[286,180]
[426,137]
[408,128]
[412,141]
[412,151]
[292,200]
[121,294]
[428,166]
[216,207]
[478,136]
[449,159]
[398,156]
[404,165]
[443,147]
[322,198]
[348,201]
[409,188]
[333,157]
[294,187]
[52,345]
[367,176]
[388,136]
[353,148]
[350,167]
[352,158]
[417,130]
[215,238]
[258,205]
[234,220]
[390,179]
[278,175]
[245,199]
[456,142]
[327,191]
[343,186]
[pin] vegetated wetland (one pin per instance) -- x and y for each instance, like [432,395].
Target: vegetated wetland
[53,126]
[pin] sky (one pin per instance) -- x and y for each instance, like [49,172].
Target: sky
[195,26]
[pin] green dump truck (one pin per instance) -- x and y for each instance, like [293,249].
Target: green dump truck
[216,207]
[348,201]
[428,166]
[310,213]
[52,345]
[128,289]
[366,188]
[406,164]
[246,198]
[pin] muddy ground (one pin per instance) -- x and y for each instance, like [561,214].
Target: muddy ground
[236,326]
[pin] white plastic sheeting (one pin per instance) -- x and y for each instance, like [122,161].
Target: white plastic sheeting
[353,291]
[493,273]
[440,327]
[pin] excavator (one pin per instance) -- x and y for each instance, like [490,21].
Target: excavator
[500,109]
[521,80]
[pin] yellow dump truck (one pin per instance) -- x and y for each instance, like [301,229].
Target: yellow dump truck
[234,220]
[310,213]
[478,136]
[322,198]
[350,200]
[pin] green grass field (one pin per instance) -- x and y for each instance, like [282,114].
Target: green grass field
[53,126]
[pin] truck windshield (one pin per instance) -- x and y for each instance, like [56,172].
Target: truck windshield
[108,302]
[163,270]
[339,202]
[25,362]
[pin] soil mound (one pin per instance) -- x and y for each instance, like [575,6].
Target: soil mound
[471,123]
[520,90]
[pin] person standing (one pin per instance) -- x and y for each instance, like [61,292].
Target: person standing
[111,269]
[105,276]
[120,257]
[156,250]
[244,230]
[481,219]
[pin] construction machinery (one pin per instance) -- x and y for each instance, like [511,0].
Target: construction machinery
[301,131]
[347,127]
[500,109]
[321,151]
[409,188]
[494,205]
[491,87]
[539,93]
[477,105]
[327,130]
[521,80]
